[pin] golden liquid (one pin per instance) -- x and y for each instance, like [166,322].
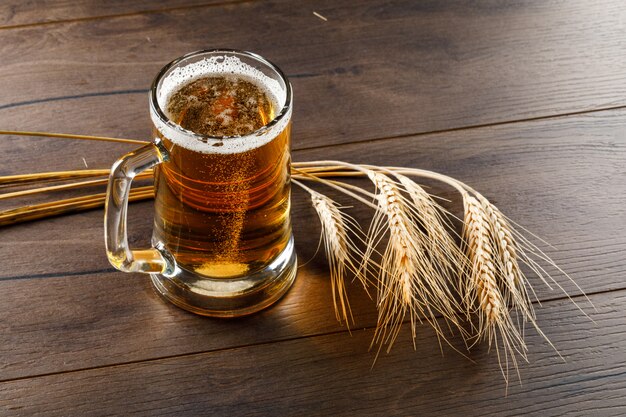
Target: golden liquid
[224,215]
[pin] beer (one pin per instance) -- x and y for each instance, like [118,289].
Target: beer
[222,244]
[222,196]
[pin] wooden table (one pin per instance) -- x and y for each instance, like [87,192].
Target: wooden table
[525,101]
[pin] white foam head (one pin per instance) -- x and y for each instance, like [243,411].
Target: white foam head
[218,65]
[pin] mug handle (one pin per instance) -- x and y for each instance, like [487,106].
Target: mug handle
[149,261]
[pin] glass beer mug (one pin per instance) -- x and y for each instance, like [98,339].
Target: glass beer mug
[222,243]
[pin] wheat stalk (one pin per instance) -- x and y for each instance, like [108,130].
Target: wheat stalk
[493,284]
[411,282]
[26,179]
[64,206]
[63,187]
[71,136]
[419,265]
[70,205]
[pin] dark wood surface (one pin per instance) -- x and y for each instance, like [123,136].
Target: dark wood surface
[525,101]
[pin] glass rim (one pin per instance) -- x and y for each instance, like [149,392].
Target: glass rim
[158,111]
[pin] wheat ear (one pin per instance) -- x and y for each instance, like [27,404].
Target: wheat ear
[514,281]
[341,251]
[433,220]
[482,290]
[410,283]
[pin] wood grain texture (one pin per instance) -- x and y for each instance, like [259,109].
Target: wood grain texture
[331,375]
[78,338]
[18,13]
[66,323]
[562,178]
[409,66]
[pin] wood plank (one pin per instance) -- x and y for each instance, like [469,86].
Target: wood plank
[372,70]
[73,322]
[18,13]
[331,375]
[528,169]
[79,338]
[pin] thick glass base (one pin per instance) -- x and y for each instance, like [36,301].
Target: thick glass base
[230,297]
